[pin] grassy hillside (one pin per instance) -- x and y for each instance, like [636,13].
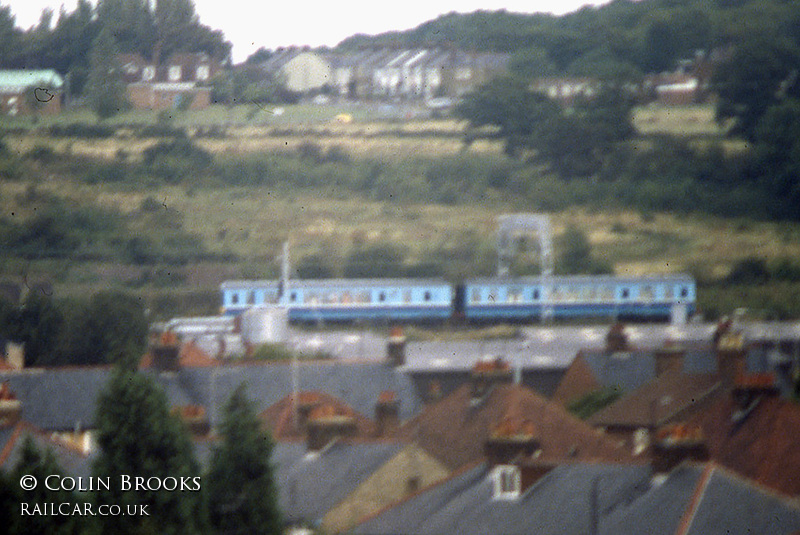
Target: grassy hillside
[173,244]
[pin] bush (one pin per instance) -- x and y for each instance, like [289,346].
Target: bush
[174,160]
[81,130]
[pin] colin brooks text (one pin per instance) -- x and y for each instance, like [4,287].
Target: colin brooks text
[81,509]
[124,483]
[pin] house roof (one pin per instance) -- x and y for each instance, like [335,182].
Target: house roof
[70,460]
[65,398]
[455,431]
[310,485]
[659,402]
[18,80]
[694,499]
[763,447]
[281,423]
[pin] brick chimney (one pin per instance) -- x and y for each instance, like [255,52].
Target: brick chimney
[306,402]
[511,440]
[731,356]
[669,357]
[486,373]
[616,339]
[195,419]
[10,407]
[325,424]
[675,444]
[387,414]
[396,347]
[165,348]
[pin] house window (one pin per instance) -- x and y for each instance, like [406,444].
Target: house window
[203,72]
[412,484]
[148,73]
[507,482]
[174,73]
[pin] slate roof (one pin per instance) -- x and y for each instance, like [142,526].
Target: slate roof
[694,499]
[69,459]
[310,485]
[659,402]
[65,398]
[455,431]
[763,447]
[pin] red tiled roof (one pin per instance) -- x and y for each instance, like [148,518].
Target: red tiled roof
[660,401]
[455,432]
[763,447]
[578,381]
[279,418]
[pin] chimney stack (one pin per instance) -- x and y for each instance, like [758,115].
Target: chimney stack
[326,424]
[195,419]
[669,357]
[731,355]
[677,443]
[165,348]
[10,407]
[487,373]
[396,347]
[616,339]
[512,440]
[387,414]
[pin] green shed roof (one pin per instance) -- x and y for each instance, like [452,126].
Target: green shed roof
[18,80]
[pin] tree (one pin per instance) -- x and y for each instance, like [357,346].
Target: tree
[139,438]
[130,23]
[37,324]
[508,104]
[105,88]
[40,465]
[760,74]
[108,328]
[777,155]
[241,487]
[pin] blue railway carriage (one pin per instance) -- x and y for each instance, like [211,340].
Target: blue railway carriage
[335,300]
[566,297]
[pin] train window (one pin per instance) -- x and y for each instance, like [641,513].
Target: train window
[427,296]
[668,292]
[536,295]
[514,295]
[626,293]
[235,299]
[251,298]
[476,295]
[684,292]
[647,294]
[407,296]
[382,297]
[606,294]
[293,297]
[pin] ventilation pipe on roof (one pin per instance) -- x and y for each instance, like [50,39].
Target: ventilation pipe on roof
[616,339]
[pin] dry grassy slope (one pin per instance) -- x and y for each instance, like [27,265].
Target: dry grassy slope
[253,222]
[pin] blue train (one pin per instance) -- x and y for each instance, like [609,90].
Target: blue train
[478,300]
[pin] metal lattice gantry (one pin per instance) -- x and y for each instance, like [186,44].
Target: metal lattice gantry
[510,229]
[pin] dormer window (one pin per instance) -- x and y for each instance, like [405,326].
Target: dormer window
[203,72]
[148,73]
[507,482]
